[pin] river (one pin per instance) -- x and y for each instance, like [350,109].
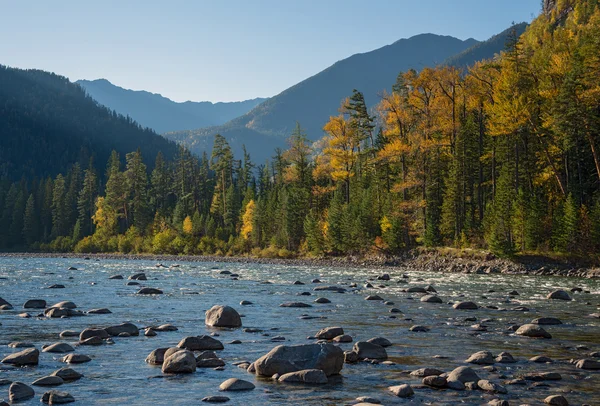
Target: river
[118,374]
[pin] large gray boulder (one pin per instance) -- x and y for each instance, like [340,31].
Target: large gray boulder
[182,362]
[284,359]
[29,356]
[223,316]
[365,349]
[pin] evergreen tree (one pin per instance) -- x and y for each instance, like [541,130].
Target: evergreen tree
[30,222]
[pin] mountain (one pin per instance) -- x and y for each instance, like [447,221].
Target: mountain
[486,49]
[313,100]
[48,123]
[161,114]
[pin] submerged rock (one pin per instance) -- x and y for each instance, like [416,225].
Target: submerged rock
[588,364]
[295,304]
[59,348]
[431,299]
[75,359]
[35,304]
[532,330]
[308,376]
[556,400]
[234,384]
[149,291]
[402,391]
[67,374]
[200,343]
[55,397]
[51,380]
[559,295]
[128,328]
[465,306]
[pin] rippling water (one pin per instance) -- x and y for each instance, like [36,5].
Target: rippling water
[118,374]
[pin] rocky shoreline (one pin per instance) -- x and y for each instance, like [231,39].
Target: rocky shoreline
[416,261]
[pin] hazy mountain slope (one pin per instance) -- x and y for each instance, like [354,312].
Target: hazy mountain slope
[486,49]
[160,113]
[48,123]
[313,100]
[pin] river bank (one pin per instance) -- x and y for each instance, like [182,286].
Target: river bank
[466,262]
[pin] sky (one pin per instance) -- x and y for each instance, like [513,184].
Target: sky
[227,50]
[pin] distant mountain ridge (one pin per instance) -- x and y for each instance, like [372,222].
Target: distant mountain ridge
[313,100]
[486,49]
[160,113]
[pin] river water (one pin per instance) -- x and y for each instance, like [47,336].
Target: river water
[118,375]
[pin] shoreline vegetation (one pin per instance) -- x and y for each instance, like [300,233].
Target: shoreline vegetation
[438,260]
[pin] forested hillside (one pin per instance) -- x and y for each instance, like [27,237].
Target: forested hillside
[48,123]
[503,157]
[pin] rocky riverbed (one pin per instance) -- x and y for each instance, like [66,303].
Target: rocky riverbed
[123,331]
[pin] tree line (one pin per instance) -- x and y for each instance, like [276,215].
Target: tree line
[503,156]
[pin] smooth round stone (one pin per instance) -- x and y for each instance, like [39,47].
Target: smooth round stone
[234,384]
[51,380]
[57,397]
[18,392]
[76,359]
[59,348]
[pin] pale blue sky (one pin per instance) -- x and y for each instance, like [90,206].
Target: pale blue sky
[224,50]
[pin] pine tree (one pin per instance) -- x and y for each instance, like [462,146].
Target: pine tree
[60,220]
[30,222]
[499,217]
[87,200]
[137,183]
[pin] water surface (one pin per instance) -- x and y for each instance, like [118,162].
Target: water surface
[118,374]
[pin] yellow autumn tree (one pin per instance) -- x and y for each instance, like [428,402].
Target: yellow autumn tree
[247,220]
[188,226]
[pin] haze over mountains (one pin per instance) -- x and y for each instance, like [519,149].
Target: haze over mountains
[162,114]
[312,101]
